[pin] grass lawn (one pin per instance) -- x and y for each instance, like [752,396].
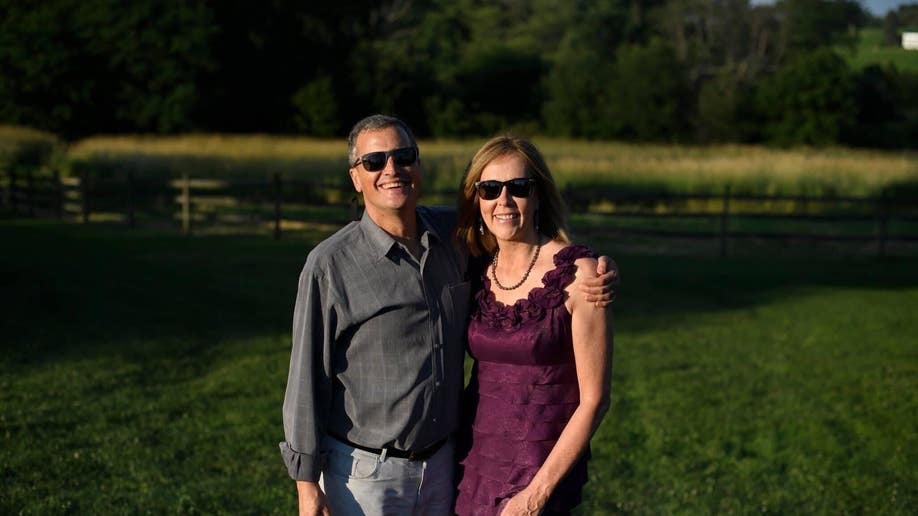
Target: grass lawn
[871,50]
[144,372]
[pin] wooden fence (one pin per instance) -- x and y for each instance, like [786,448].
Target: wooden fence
[728,216]
[276,206]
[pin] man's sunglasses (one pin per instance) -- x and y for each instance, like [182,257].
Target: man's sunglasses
[376,161]
[520,187]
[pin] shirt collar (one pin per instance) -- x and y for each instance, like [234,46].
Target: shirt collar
[382,242]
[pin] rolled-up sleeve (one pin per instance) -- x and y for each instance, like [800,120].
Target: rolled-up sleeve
[307,399]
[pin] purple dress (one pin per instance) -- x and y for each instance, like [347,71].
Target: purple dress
[522,393]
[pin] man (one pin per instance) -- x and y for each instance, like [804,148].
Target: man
[376,367]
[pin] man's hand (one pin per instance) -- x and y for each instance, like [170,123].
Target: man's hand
[601,290]
[312,499]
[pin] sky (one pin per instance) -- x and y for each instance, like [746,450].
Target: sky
[881,7]
[876,7]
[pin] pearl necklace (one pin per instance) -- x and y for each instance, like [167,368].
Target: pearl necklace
[535,257]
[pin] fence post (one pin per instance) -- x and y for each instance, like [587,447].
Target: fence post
[724,218]
[278,198]
[882,223]
[30,193]
[84,195]
[130,199]
[186,204]
[13,206]
[570,197]
[58,195]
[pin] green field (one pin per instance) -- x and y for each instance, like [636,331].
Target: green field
[144,372]
[871,50]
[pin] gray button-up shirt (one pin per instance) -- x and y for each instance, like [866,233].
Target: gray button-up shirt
[377,342]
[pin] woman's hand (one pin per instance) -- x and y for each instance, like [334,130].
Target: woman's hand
[525,503]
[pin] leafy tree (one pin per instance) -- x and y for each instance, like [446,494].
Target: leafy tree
[725,110]
[811,24]
[576,88]
[458,68]
[582,66]
[266,52]
[408,69]
[895,21]
[908,15]
[886,109]
[714,70]
[500,87]
[317,113]
[722,47]
[891,29]
[647,98]
[809,100]
[78,67]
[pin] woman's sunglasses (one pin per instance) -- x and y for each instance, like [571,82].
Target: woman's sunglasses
[520,187]
[376,161]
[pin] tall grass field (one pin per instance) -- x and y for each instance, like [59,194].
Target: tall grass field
[636,167]
[751,169]
[143,372]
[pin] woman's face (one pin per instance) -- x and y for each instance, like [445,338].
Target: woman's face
[508,217]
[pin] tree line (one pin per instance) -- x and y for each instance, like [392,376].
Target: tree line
[641,70]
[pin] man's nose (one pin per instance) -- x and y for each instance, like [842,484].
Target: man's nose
[390,165]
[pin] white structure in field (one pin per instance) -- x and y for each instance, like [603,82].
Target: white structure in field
[910,40]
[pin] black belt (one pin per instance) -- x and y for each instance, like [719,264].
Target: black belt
[424,454]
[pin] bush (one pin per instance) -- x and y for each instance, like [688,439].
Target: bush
[27,149]
[883,113]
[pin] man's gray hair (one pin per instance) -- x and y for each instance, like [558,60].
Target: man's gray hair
[374,123]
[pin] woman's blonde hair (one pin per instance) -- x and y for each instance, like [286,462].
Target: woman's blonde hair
[552,216]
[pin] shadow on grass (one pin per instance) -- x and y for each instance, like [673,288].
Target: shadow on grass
[77,290]
[70,289]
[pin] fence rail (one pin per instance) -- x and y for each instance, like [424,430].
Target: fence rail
[276,205]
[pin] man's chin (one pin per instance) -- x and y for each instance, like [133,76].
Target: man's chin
[406,205]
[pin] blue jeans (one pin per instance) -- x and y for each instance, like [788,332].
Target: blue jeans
[358,482]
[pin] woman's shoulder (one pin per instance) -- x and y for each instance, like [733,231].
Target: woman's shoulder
[569,260]
[585,262]
[573,254]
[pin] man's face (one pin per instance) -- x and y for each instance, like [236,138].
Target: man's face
[395,188]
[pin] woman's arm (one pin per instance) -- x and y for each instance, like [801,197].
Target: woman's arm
[592,336]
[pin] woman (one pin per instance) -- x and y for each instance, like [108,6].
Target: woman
[540,385]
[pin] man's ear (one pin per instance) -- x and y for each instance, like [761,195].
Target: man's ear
[354,179]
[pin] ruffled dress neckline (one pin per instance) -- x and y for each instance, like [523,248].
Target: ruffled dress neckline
[535,305]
